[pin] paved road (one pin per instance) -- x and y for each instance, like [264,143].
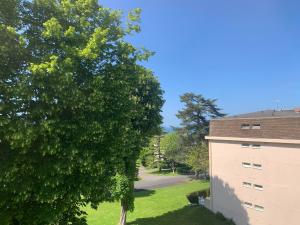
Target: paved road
[151,181]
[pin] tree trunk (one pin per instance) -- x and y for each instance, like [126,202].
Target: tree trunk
[173,167]
[159,154]
[123,215]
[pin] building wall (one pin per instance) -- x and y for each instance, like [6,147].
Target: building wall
[276,128]
[279,175]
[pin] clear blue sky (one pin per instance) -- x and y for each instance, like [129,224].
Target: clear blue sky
[245,53]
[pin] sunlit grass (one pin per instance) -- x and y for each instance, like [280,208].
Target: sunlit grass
[163,206]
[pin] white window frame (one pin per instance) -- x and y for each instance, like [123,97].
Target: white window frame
[248,205]
[246,164]
[256,126]
[259,208]
[256,146]
[260,188]
[257,166]
[245,145]
[245,126]
[247,184]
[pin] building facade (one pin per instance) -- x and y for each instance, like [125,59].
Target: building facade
[255,167]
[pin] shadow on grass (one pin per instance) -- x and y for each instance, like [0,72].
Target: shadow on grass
[188,215]
[224,200]
[143,193]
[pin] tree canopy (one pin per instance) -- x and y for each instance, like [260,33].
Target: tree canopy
[171,145]
[198,158]
[195,117]
[76,107]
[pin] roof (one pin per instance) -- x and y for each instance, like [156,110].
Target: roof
[268,114]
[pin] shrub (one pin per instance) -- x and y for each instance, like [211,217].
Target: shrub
[183,169]
[193,197]
[205,193]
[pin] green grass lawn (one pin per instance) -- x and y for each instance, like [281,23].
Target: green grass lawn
[163,206]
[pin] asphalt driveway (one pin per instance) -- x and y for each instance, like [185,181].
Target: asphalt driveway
[150,181]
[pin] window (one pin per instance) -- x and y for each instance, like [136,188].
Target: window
[259,208]
[258,187]
[245,126]
[245,145]
[246,164]
[256,126]
[257,166]
[247,184]
[248,204]
[256,146]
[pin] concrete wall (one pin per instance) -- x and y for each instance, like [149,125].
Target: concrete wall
[280,177]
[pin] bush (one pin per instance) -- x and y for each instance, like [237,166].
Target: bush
[184,170]
[193,197]
[205,193]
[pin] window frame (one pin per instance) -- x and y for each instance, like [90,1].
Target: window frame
[256,146]
[246,164]
[248,204]
[258,187]
[259,208]
[245,145]
[246,184]
[257,166]
[245,126]
[256,126]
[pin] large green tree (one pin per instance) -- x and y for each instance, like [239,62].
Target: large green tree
[75,109]
[195,117]
[145,121]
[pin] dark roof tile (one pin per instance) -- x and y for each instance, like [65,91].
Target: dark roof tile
[268,113]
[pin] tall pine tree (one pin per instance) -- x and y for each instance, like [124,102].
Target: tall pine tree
[195,117]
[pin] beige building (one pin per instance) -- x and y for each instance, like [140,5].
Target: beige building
[255,167]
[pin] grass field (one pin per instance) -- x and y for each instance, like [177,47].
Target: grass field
[163,206]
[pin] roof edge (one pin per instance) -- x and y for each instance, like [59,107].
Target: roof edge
[264,140]
[253,118]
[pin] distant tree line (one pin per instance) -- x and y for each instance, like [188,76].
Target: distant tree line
[185,147]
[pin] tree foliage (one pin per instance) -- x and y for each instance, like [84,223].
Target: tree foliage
[148,153]
[195,117]
[152,155]
[75,109]
[171,145]
[198,158]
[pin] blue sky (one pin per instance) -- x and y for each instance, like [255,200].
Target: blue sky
[245,53]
